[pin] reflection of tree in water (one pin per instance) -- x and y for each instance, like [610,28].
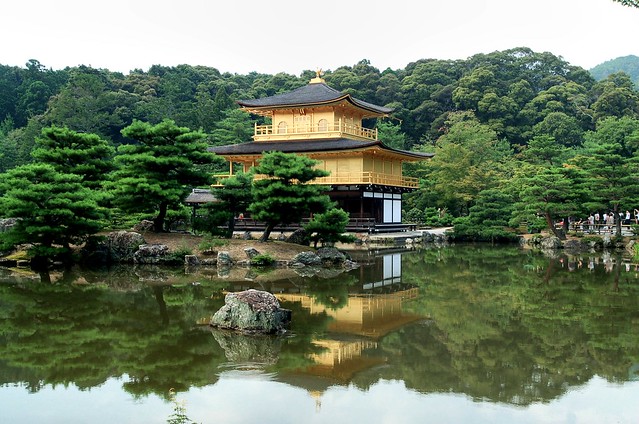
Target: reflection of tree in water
[83,328]
[509,331]
[85,334]
[504,325]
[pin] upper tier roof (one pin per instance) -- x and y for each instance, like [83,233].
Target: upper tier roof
[314,94]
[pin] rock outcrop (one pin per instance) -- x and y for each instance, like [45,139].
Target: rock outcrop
[330,256]
[299,236]
[252,311]
[7,224]
[116,247]
[152,254]
[306,259]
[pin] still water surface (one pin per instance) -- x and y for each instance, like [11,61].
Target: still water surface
[459,334]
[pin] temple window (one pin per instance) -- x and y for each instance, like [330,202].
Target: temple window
[281,127]
[322,125]
[302,123]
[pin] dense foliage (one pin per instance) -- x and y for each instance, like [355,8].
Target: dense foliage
[499,121]
[627,64]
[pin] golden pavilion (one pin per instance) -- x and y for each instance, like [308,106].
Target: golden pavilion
[324,124]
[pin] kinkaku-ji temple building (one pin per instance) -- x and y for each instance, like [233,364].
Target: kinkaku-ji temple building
[324,124]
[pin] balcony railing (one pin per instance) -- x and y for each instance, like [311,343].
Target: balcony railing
[352,178]
[338,129]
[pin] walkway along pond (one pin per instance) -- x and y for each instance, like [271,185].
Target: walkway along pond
[455,334]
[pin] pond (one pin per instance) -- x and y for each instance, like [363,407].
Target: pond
[459,334]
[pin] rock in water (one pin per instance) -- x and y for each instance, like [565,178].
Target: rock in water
[252,311]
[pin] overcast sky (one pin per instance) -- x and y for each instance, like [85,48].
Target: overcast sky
[241,36]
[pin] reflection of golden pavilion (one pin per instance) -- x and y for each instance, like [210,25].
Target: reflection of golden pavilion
[364,315]
[356,327]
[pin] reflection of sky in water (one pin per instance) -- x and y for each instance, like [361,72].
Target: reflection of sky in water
[258,400]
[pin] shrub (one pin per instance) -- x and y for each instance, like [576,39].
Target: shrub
[596,240]
[437,217]
[329,227]
[210,243]
[263,259]
[415,215]
[177,256]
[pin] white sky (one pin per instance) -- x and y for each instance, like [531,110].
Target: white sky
[241,36]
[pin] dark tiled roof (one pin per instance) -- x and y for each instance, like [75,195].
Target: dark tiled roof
[307,146]
[199,195]
[310,94]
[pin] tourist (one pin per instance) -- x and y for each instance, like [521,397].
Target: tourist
[627,220]
[611,221]
[637,216]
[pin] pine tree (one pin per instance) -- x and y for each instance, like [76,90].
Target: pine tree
[159,170]
[54,210]
[85,155]
[284,196]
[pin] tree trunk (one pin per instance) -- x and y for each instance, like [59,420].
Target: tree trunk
[267,232]
[158,221]
[617,222]
[551,225]
[231,226]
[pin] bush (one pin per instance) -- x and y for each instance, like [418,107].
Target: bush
[598,241]
[415,215]
[210,243]
[437,217]
[329,227]
[465,230]
[263,259]
[177,256]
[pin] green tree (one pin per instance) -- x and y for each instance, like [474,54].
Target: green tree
[329,227]
[157,172]
[611,163]
[469,158]
[93,102]
[391,135]
[85,155]
[545,192]
[285,196]
[543,149]
[37,85]
[488,218]
[54,209]
[235,128]
[235,196]
[615,96]
[562,127]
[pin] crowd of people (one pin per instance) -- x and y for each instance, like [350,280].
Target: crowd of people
[606,221]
